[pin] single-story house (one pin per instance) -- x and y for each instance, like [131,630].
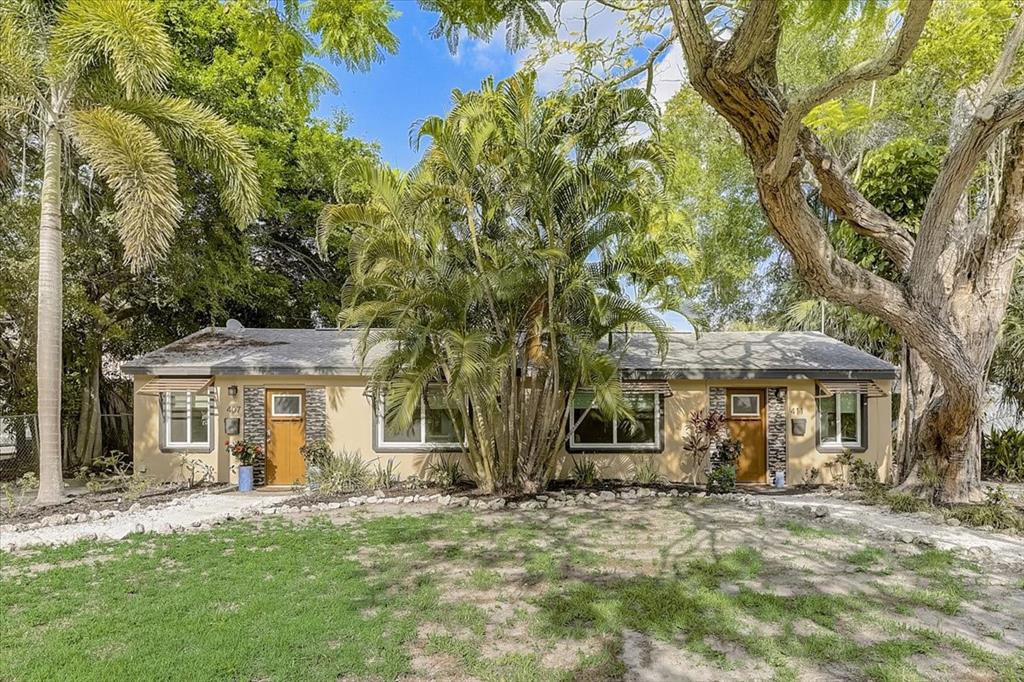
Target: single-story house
[794,399]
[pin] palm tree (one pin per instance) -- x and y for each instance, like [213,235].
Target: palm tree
[90,74]
[495,272]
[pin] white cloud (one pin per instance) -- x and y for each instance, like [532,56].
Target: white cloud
[669,75]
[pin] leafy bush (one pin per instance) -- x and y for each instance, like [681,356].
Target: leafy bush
[995,511]
[585,473]
[19,493]
[446,473]
[385,475]
[316,453]
[722,479]
[864,474]
[729,451]
[345,472]
[1002,455]
[703,431]
[646,472]
[906,503]
[840,468]
[810,477]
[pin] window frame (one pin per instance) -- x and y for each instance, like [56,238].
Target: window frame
[659,430]
[170,445]
[838,445]
[380,444]
[744,415]
[285,415]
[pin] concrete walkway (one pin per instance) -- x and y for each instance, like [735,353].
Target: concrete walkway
[184,512]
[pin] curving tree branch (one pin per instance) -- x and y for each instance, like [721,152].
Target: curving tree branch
[884,66]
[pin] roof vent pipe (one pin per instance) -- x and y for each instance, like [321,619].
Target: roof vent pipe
[234,325]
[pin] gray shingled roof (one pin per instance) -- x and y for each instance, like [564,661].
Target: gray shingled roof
[712,355]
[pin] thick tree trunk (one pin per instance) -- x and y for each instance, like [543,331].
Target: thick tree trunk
[927,462]
[954,279]
[48,323]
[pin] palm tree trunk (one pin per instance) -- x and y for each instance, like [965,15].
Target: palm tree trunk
[48,323]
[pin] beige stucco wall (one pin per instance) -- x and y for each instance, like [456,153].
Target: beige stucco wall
[168,465]
[350,427]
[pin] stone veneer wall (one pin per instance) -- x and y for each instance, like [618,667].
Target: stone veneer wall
[316,413]
[716,403]
[254,427]
[777,441]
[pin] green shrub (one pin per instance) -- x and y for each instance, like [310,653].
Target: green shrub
[316,453]
[1002,455]
[585,473]
[385,476]
[905,503]
[446,472]
[722,479]
[729,451]
[345,472]
[864,474]
[646,472]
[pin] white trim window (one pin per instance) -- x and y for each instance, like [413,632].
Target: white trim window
[286,405]
[590,430]
[432,425]
[186,419]
[840,420]
[745,405]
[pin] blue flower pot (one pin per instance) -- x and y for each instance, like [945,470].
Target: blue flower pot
[245,479]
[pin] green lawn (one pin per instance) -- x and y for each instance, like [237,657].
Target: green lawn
[555,595]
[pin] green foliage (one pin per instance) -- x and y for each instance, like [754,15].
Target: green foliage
[385,476]
[722,479]
[500,266]
[898,177]
[316,453]
[343,472]
[585,473]
[1002,455]
[906,503]
[647,472]
[864,474]
[445,472]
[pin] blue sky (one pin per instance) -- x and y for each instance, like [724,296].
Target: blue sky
[417,82]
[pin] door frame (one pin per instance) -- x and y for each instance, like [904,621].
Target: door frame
[269,393]
[762,392]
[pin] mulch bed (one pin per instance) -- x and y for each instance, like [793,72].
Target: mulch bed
[84,502]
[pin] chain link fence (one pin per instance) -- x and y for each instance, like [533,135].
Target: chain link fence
[19,451]
[19,442]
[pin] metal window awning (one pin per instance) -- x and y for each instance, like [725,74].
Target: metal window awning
[659,387]
[867,387]
[167,384]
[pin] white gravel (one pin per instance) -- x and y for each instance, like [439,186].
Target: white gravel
[182,513]
[1001,546]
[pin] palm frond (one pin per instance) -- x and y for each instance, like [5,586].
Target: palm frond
[131,160]
[210,143]
[128,35]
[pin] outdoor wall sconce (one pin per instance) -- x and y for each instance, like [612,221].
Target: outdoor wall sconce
[799,427]
[232,391]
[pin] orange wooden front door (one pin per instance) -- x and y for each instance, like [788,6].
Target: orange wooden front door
[286,433]
[745,411]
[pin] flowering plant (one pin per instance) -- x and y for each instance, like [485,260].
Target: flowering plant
[245,451]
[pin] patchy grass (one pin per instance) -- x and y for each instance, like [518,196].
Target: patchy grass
[802,530]
[504,596]
[866,558]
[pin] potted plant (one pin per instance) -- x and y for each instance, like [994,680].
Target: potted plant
[246,453]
